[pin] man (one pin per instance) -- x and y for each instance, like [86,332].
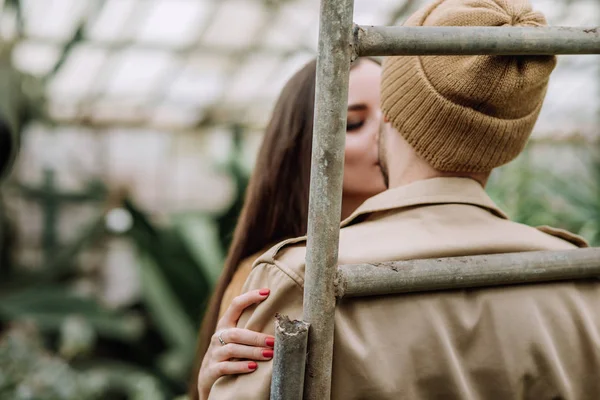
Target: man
[448,121]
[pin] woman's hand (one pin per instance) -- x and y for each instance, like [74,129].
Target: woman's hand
[229,345]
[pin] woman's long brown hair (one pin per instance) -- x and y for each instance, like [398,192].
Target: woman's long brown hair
[276,202]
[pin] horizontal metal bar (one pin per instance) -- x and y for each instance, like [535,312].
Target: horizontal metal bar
[403,40]
[466,272]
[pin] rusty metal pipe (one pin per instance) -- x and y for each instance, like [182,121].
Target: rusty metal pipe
[398,277]
[289,361]
[325,201]
[428,40]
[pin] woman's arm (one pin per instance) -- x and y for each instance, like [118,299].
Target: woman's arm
[286,299]
[233,350]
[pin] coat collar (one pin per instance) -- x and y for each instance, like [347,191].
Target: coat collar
[428,192]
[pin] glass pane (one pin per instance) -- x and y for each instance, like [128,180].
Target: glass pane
[112,20]
[35,58]
[79,71]
[235,24]
[175,22]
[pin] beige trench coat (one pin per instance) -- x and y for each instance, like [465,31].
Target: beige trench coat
[520,342]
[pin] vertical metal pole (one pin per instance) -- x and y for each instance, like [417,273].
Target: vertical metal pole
[333,69]
[289,362]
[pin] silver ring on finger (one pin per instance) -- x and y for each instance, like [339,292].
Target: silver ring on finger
[223,343]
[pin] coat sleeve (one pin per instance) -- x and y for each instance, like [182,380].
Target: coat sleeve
[236,286]
[285,298]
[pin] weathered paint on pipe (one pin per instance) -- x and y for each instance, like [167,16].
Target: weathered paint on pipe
[324,211]
[289,360]
[397,277]
[403,40]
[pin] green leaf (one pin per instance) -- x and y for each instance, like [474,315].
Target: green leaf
[48,307]
[165,307]
[171,254]
[201,235]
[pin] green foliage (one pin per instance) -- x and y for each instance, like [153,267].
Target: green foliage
[226,222]
[556,185]
[143,351]
[29,372]
[582,194]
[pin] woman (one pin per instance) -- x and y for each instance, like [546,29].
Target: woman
[276,208]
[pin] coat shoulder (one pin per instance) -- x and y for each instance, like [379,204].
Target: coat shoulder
[564,235]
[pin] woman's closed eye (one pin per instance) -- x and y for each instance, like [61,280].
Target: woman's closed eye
[357,115]
[353,125]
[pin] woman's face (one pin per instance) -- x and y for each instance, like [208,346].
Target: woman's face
[362,175]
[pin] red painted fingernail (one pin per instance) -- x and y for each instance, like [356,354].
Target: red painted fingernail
[270,342]
[252,365]
[267,353]
[264,292]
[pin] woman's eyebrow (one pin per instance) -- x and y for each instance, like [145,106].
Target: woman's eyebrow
[357,107]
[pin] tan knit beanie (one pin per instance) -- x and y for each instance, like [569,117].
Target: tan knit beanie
[467,113]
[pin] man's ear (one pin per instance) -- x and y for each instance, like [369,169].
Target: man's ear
[385,119]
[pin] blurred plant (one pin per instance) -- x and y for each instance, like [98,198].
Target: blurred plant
[583,196]
[533,193]
[226,221]
[143,351]
[31,372]
[179,266]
